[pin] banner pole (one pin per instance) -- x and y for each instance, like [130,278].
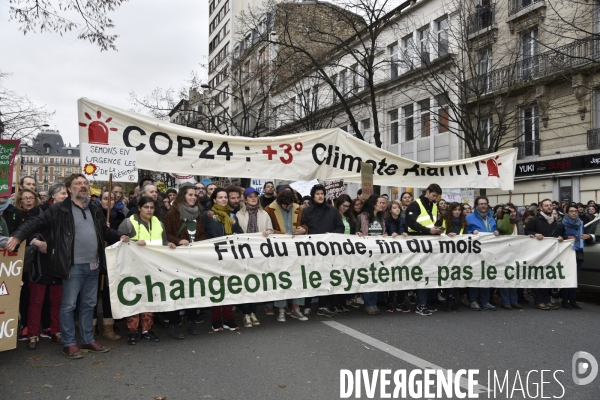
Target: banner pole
[107,219]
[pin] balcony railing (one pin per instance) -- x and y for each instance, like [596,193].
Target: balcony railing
[561,59]
[593,139]
[520,5]
[527,148]
[484,17]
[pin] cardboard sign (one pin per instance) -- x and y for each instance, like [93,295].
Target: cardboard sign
[11,269]
[366,179]
[334,189]
[98,162]
[8,151]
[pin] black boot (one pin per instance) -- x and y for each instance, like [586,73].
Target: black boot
[133,337]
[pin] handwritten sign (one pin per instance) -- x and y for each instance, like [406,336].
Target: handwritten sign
[8,151]
[99,161]
[334,189]
[11,269]
[303,187]
[366,179]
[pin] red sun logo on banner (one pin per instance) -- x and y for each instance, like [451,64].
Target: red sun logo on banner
[492,166]
[97,130]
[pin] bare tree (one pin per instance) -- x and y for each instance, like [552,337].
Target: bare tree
[20,118]
[48,16]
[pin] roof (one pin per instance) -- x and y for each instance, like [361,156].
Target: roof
[53,141]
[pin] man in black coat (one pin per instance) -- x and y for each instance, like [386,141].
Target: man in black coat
[541,226]
[76,232]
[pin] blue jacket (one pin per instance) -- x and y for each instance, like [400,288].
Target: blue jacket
[476,223]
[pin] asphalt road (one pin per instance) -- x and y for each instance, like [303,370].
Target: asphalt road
[302,360]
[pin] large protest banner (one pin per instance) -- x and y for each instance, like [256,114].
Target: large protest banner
[98,162]
[251,268]
[8,151]
[329,154]
[11,269]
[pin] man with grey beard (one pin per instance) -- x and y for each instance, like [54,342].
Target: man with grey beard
[76,230]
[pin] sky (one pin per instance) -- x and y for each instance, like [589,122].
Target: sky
[160,43]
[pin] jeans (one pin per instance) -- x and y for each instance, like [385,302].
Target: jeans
[84,281]
[509,295]
[283,303]
[370,299]
[248,308]
[484,295]
[424,296]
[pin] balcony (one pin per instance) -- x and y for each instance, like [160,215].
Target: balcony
[527,148]
[593,139]
[516,6]
[557,61]
[483,18]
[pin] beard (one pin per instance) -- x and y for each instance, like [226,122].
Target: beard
[82,196]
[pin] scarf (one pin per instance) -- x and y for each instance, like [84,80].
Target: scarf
[119,206]
[518,224]
[188,213]
[574,228]
[252,219]
[223,217]
[549,218]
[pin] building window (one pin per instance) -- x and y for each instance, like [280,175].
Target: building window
[484,135]
[409,52]
[315,98]
[484,67]
[393,115]
[408,125]
[343,86]
[46,161]
[424,107]
[442,34]
[443,114]
[366,130]
[334,80]
[46,168]
[425,52]
[293,107]
[530,129]
[530,51]
[393,52]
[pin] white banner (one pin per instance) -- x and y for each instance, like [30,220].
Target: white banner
[329,154]
[250,268]
[98,162]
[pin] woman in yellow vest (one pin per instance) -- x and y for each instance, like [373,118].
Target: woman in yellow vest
[144,228]
[453,223]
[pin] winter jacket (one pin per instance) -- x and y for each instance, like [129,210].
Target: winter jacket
[263,220]
[274,211]
[214,228]
[38,269]
[58,221]
[476,223]
[538,224]
[395,226]
[322,218]
[173,223]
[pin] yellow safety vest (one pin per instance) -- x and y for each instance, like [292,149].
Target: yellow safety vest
[462,230]
[424,218]
[141,233]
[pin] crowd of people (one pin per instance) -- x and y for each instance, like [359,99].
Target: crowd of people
[66,287]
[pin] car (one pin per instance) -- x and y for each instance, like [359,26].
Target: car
[589,277]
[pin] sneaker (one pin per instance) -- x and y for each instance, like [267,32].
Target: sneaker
[422,310]
[575,305]
[72,352]
[269,311]
[93,347]
[132,339]
[402,308]
[253,319]
[507,306]
[412,298]
[32,344]
[288,311]
[541,306]
[24,333]
[345,310]
[431,308]
[297,314]
[475,306]
[247,321]
[359,300]
[281,316]
[46,333]
[465,300]
[307,311]
[217,326]
[150,336]
[441,297]
[567,305]
[488,306]
[337,310]
[232,326]
[552,306]
[517,306]
[324,312]
[389,308]
[352,303]
[372,310]
[56,338]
